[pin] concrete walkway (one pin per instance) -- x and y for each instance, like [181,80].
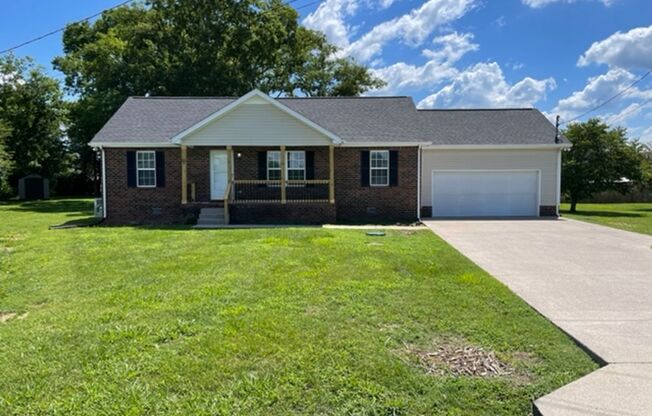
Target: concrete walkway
[593,282]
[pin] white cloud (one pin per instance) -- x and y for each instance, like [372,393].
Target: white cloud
[597,90]
[412,28]
[629,112]
[439,67]
[330,18]
[384,4]
[542,3]
[631,49]
[500,22]
[646,136]
[484,85]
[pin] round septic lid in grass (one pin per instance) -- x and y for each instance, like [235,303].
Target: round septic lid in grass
[376,233]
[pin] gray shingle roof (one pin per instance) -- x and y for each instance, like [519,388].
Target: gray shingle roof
[156,120]
[487,126]
[353,119]
[360,119]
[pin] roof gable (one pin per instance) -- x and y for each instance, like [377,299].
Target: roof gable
[254,119]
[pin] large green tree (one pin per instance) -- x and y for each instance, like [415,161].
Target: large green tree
[599,159]
[33,113]
[197,48]
[6,164]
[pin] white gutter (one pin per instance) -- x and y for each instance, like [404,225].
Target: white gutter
[131,144]
[497,146]
[103,183]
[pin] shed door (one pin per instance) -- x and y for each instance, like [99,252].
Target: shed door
[34,188]
[486,193]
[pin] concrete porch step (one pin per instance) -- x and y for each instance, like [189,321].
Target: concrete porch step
[211,211]
[210,218]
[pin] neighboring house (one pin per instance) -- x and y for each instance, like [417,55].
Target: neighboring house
[256,159]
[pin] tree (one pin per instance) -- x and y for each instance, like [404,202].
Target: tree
[33,113]
[184,47]
[599,159]
[6,165]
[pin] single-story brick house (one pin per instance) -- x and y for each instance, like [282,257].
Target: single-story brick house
[257,159]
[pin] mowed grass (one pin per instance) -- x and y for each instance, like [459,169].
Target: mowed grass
[154,321]
[635,217]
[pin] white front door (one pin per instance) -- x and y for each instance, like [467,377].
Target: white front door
[490,193]
[219,173]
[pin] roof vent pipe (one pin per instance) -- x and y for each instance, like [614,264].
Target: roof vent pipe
[557,129]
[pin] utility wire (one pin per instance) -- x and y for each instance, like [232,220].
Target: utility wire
[307,4]
[61,29]
[621,92]
[628,112]
[124,3]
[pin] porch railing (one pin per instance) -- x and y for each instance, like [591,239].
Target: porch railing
[250,191]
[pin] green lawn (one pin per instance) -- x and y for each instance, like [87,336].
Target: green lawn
[631,217]
[148,321]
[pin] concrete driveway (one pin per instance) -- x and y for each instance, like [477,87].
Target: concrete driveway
[593,282]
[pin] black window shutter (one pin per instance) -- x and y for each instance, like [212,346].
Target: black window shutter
[310,164]
[160,169]
[364,168]
[393,168]
[262,167]
[131,169]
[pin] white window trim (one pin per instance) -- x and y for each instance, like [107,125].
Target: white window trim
[267,168]
[372,168]
[287,164]
[145,169]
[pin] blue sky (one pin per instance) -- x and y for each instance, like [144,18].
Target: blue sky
[561,56]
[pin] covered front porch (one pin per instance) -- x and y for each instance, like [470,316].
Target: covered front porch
[248,184]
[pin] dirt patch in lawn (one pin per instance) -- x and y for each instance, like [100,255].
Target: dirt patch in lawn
[462,359]
[5,316]
[466,360]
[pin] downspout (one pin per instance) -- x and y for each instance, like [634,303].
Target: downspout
[558,180]
[103,183]
[419,183]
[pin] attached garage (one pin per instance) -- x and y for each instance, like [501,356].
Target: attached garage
[490,163]
[485,193]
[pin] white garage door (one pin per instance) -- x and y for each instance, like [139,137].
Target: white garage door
[487,193]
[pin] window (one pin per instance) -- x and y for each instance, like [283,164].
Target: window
[274,166]
[296,165]
[295,169]
[146,169]
[379,168]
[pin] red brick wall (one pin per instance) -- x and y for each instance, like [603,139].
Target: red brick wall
[127,205]
[391,203]
[290,213]
[136,205]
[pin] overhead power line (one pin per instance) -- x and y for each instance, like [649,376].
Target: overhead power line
[626,113]
[124,3]
[61,29]
[621,92]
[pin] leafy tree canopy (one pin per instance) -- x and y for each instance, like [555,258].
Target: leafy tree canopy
[32,114]
[600,157]
[6,165]
[197,48]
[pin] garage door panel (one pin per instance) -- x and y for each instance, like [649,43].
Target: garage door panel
[485,193]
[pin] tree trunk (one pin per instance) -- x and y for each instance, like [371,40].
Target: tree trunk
[573,205]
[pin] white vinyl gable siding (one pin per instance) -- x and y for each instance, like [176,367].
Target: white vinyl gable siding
[544,161]
[257,123]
